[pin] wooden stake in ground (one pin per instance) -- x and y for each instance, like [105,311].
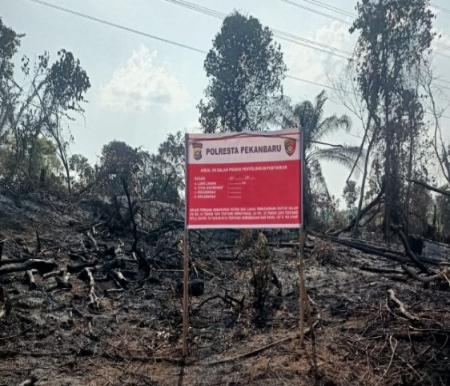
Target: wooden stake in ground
[303,297]
[304,304]
[185,291]
[301,283]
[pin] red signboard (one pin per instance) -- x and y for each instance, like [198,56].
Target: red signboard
[244,180]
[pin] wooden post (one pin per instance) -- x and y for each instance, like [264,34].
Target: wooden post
[185,291]
[186,252]
[303,297]
[301,283]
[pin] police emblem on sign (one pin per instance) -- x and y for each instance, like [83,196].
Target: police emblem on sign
[289,146]
[197,150]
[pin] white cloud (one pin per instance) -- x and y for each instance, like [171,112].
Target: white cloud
[441,42]
[315,65]
[142,84]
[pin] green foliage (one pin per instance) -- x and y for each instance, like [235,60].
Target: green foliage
[149,177]
[120,165]
[166,170]
[34,111]
[67,82]
[245,70]
[83,173]
[43,156]
[9,43]
[42,170]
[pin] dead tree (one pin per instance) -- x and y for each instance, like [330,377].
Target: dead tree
[354,223]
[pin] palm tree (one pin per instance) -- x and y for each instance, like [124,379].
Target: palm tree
[309,117]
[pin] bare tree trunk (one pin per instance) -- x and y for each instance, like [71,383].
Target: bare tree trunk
[363,182]
[67,169]
[408,191]
[62,152]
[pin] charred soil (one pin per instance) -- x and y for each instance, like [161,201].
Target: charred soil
[78,307]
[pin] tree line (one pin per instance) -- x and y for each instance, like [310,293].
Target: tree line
[388,85]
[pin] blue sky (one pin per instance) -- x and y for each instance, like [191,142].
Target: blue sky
[143,89]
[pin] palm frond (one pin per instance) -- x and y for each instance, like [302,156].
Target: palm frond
[331,124]
[345,155]
[321,99]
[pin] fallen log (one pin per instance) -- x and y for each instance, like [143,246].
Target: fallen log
[29,279]
[367,248]
[372,250]
[53,273]
[118,278]
[43,266]
[402,307]
[414,275]
[441,275]
[78,267]
[409,251]
[87,275]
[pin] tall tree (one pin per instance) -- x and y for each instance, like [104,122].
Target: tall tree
[120,165]
[65,84]
[28,112]
[9,43]
[164,177]
[83,174]
[245,69]
[393,44]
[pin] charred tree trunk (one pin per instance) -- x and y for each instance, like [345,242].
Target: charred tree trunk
[131,214]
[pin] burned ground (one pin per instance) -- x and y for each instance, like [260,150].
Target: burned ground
[95,318]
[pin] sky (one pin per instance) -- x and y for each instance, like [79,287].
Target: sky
[144,88]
